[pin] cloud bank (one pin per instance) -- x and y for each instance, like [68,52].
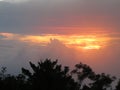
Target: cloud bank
[61,17]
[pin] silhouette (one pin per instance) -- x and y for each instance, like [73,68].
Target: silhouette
[118,85]
[102,82]
[49,75]
[98,81]
[10,82]
[82,71]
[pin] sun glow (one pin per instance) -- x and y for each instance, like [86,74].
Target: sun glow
[87,42]
[92,47]
[84,42]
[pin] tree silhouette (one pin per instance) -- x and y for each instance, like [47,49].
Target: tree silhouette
[48,75]
[82,71]
[98,81]
[102,82]
[11,82]
[118,85]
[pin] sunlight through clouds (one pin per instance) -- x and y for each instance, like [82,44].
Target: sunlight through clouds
[71,41]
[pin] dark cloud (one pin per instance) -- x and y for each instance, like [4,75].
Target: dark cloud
[24,17]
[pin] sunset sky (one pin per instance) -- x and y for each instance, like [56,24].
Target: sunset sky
[71,31]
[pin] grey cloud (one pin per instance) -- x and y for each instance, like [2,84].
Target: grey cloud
[23,17]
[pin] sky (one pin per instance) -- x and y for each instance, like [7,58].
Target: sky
[71,31]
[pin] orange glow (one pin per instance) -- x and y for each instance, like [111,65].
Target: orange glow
[92,47]
[88,42]
[84,42]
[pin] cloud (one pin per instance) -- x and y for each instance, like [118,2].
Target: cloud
[36,17]
[77,41]
[16,50]
[22,52]
[14,1]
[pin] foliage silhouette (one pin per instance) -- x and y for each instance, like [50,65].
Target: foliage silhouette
[118,85]
[49,75]
[10,82]
[102,82]
[98,81]
[82,71]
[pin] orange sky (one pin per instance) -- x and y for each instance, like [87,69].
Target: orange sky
[92,41]
[92,49]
